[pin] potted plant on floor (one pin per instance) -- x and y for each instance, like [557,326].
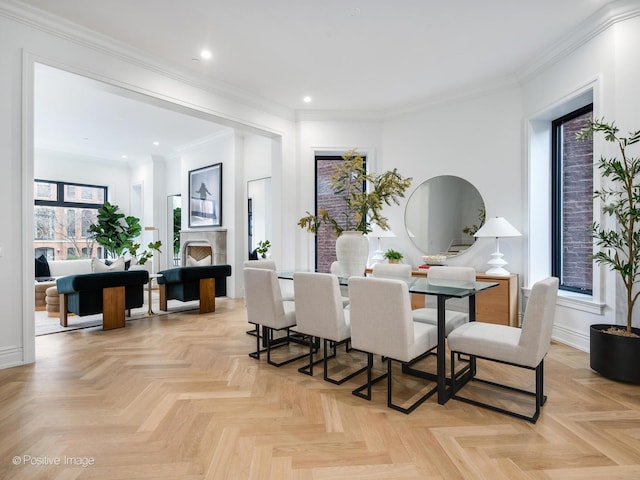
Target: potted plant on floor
[362,208]
[615,349]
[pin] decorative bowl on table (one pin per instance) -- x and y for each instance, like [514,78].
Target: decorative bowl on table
[434,259]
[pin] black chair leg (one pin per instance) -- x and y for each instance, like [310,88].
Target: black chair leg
[268,335]
[358,391]
[538,395]
[410,371]
[339,381]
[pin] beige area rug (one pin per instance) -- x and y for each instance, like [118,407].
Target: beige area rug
[45,325]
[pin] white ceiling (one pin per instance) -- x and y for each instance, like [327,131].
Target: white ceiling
[77,115]
[376,56]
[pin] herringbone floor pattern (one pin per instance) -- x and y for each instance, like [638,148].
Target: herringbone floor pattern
[177,397]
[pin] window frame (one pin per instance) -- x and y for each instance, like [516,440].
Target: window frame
[557,170]
[60,202]
[319,157]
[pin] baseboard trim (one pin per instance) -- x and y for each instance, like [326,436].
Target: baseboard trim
[571,337]
[11,357]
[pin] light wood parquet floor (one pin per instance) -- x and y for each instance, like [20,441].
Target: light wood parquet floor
[177,397]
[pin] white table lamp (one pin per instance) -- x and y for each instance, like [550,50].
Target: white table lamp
[497,227]
[377,232]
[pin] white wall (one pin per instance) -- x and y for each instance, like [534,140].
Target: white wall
[21,44]
[150,175]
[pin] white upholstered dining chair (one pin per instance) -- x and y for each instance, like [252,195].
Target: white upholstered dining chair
[523,347]
[400,271]
[381,324]
[321,314]
[267,309]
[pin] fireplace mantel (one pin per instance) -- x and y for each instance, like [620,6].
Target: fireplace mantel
[215,239]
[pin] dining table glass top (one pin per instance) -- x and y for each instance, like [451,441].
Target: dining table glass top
[424,286]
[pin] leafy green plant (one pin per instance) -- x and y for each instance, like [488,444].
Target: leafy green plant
[263,248]
[177,225]
[619,246]
[115,232]
[146,254]
[361,208]
[393,255]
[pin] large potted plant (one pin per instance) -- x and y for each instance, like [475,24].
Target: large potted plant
[615,349]
[362,207]
[116,233]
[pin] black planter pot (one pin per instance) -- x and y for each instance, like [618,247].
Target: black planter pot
[614,356]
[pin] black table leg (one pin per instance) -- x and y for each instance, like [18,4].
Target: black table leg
[442,358]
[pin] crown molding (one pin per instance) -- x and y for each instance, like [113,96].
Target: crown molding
[80,35]
[204,141]
[593,26]
[340,115]
[72,154]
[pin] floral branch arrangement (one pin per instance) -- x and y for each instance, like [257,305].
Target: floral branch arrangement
[362,207]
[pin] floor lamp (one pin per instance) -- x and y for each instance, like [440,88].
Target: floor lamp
[377,232]
[497,227]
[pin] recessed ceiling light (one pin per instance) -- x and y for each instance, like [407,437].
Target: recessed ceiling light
[156,143]
[307,99]
[123,156]
[206,54]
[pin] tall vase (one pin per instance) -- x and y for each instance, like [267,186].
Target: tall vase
[352,252]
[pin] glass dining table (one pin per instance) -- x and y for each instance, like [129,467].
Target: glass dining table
[443,290]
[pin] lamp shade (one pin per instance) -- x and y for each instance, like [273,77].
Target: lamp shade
[497,227]
[377,232]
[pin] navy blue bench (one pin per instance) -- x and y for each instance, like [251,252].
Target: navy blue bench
[109,293]
[202,283]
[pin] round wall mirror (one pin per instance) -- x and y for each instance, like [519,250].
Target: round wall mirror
[442,215]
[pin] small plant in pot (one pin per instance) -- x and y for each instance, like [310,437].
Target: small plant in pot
[393,256]
[263,248]
[615,349]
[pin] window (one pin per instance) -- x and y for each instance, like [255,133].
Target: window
[89,217]
[46,251]
[325,198]
[59,206]
[44,223]
[71,222]
[572,202]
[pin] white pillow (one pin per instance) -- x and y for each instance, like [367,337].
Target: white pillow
[192,262]
[99,266]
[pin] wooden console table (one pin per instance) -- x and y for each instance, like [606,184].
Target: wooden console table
[496,305]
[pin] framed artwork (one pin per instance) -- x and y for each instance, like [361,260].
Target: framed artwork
[205,196]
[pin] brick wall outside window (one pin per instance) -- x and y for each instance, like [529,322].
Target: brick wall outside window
[325,198]
[577,206]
